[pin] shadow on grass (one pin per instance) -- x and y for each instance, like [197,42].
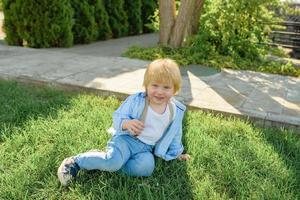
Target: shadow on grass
[20,104]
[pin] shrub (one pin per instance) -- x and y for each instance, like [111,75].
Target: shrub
[148,7]
[10,23]
[101,19]
[84,29]
[236,27]
[91,21]
[117,17]
[134,12]
[43,24]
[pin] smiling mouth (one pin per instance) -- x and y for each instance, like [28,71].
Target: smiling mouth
[159,98]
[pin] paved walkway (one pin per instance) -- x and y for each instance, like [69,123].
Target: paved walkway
[264,98]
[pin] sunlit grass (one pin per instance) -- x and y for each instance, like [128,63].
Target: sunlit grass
[231,159]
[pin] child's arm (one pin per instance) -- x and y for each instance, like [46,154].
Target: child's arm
[176,148]
[124,119]
[122,113]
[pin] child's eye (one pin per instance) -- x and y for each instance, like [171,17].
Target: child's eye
[167,86]
[154,85]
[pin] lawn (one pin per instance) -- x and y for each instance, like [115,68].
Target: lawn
[231,159]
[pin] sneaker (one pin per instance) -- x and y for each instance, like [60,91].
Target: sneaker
[67,171]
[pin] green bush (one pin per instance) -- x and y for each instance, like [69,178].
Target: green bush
[11,22]
[43,24]
[236,27]
[134,13]
[102,20]
[84,29]
[117,17]
[91,21]
[149,8]
[60,23]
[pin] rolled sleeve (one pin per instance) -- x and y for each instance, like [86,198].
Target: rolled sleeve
[122,113]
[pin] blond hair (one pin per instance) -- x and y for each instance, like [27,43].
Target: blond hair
[163,71]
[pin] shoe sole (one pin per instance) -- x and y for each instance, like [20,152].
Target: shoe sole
[60,174]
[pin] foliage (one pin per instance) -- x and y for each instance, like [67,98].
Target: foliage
[235,27]
[10,23]
[84,29]
[207,57]
[25,26]
[231,159]
[134,13]
[118,19]
[91,21]
[230,36]
[62,23]
[101,20]
[150,16]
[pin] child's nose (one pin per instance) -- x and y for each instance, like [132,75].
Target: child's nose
[160,90]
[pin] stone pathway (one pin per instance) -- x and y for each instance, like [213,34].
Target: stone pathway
[269,100]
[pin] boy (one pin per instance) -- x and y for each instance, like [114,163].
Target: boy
[146,123]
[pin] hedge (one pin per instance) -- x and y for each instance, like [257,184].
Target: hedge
[43,24]
[134,13]
[117,17]
[62,23]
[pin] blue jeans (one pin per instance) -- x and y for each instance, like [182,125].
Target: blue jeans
[124,154]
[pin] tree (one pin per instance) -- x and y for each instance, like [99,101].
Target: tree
[174,28]
[118,19]
[148,7]
[134,13]
[40,25]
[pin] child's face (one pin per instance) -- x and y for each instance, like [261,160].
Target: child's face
[160,93]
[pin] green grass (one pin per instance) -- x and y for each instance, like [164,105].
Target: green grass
[184,56]
[231,159]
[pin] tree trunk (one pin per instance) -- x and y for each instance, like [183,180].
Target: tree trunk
[173,29]
[185,14]
[167,13]
[193,25]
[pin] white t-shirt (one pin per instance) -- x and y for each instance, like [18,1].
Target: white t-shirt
[154,126]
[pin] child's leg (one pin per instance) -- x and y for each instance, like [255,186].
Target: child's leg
[116,154]
[141,164]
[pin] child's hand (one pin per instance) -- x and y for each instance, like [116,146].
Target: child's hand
[184,157]
[135,127]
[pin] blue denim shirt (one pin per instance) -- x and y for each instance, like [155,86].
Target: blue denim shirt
[169,145]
